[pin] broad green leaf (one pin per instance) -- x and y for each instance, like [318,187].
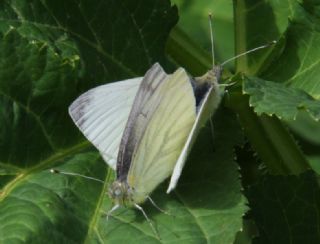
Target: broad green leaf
[285,208]
[298,66]
[277,99]
[258,23]
[51,51]
[38,82]
[39,207]
[108,50]
[312,6]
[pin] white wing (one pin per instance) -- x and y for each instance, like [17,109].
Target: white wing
[170,113]
[207,107]
[101,115]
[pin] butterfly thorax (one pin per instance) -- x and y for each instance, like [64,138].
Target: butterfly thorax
[121,193]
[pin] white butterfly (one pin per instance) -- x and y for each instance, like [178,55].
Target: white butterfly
[144,127]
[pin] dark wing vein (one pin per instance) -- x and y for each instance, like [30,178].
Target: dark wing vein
[139,118]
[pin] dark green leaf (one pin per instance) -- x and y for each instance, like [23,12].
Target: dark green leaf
[37,84]
[286,208]
[37,206]
[315,163]
[116,40]
[258,23]
[298,65]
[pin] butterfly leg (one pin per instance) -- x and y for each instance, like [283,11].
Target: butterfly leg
[112,210]
[147,218]
[156,206]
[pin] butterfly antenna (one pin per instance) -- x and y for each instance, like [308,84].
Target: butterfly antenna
[250,51]
[55,171]
[115,207]
[211,38]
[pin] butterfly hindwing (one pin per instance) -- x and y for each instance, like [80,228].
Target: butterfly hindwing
[164,120]
[205,110]
[207,106]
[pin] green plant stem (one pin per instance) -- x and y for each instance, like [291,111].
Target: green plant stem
[240,33]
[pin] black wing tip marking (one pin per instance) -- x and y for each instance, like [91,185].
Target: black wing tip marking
[77,108]
[156,67]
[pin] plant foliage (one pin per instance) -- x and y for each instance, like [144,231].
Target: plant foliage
[51,51]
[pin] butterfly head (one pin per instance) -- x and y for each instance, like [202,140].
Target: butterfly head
[212,77]
[120,193]
[215,73]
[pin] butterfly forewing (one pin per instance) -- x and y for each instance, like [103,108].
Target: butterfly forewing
[101,115]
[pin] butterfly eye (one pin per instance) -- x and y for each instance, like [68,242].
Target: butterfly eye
[117,192]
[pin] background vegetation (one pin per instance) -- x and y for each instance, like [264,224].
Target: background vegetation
[254,181]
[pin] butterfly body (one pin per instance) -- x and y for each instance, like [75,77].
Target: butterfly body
[212,99]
